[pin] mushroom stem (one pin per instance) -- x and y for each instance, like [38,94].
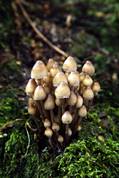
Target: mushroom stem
[63,105]
[59,113]
[66,134]
[43,110]
[40,109]
[51,116]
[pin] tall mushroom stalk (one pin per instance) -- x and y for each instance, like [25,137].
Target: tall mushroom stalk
[60,96]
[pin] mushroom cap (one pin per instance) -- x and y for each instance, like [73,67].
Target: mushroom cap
[69,65]
[72,99]
[81,76]
[32,110]
[55,126]
[69,132]
[67,118]
[48,132]
[88,68]
[62,91]
[49,103]
[50,63]
[73,79]
[79,127]
[96,87]
[39,70]
[55,69]
[87,81]
[82,111]
[47,123]
[30,87]
[39,93]
[79,101]
[59,77]
[60,139]
[88,94]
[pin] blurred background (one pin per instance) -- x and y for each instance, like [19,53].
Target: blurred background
[85,29]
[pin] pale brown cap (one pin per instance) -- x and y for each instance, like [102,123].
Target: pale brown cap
[47,123]
[39,93]
[55,126]
[67,118]
[48,132]
[81,76]
[39,70]
[49,103]
[96,87]
[62,91]
[30,87]
[79,127]
[82,111]
[70,65]
[54,70]
[69,132]
[72,99]
[79,101]
[87,81]
[50,63]
[73,79]
[59,77]
[88,94]
[88,68]
[60,139]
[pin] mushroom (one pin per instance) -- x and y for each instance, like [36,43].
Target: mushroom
[59,77]
[79,101]
[88,94]
[70,65]
[54,70]
[59,96]
[60,139]
[73,79]
[47,123]
[62,91]
[96,87]
[88,68]
[48,132]
[39,70]
[39,93]
[87,81]
[72,99]
[30,87]
[82,111]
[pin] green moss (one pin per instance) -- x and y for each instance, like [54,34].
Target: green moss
[11,107]
[90,158]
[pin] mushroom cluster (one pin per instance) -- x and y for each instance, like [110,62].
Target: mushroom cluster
[60,96]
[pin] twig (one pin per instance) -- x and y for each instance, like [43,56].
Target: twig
[29,141]
[32,129]
[40,35]
[9,124]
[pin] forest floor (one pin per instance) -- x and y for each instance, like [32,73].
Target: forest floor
[85,30]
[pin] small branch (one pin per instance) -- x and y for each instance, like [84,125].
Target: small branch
[32,129]
[29,141]
[40,35]
[10,124]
